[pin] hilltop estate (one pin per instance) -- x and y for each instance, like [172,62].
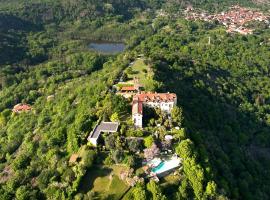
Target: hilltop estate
[134,99]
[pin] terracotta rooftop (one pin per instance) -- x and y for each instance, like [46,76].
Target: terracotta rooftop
[137,105]
[128,88]
[155,97]
[73,158]
[21,108]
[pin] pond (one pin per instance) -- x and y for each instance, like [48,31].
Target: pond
[107,47]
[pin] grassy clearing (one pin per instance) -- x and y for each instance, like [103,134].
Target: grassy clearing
[104,182]
[143,72]
[139,70]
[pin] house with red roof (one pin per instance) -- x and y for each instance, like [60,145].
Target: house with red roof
[127,89]
[132,89]
[21,108]
[164,101]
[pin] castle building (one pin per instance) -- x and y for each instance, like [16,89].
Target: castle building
[164,101]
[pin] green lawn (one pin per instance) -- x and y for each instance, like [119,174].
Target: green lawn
[105,182]
[141,71]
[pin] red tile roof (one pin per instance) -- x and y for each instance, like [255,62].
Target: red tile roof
[155,97]
[137,106]
[73,158]
[128,88]
[21,108]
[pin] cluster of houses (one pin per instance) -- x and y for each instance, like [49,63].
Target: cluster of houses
[234,19]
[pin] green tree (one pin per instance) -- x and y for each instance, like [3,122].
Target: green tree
[118,156]
[148,141]
[110,141]
[185,149]
[211,190]
[115,117]
[25,193]
[177,116]
[108,161]
[183,190]
[88,158]
[155,190]
[129,161]
[139,193]
[134,145]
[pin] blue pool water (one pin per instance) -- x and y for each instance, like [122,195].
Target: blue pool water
[158,168]
[167,165]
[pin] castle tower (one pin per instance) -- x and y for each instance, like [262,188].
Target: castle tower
[136,84]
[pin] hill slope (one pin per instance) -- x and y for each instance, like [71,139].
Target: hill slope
[222,87]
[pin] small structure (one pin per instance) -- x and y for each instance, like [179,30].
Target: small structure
[130,90]
[73,158]
[50,97]
[168,137]
[21,108]
[164,101]
[109,127]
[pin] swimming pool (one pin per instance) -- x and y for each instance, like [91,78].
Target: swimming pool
[166,166]
[158,168]
[154,163]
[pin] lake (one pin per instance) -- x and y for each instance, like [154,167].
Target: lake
[107,47]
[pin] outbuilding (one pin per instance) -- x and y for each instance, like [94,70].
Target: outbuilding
[107,127]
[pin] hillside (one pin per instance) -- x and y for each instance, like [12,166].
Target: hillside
[225,101]
[218,130]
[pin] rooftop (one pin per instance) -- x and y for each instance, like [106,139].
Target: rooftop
[139,99]
[110,127]
[137,107]
[21,107]
[128,88]
[153,97]
[73,158]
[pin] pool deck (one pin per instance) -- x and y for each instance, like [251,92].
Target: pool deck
[166,166]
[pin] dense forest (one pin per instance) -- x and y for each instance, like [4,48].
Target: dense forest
[224,97]
[222,88]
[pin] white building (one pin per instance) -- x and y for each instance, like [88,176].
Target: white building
[164,101]
[107,127]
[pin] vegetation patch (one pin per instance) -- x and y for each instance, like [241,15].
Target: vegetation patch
[141,70]
[104,182]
